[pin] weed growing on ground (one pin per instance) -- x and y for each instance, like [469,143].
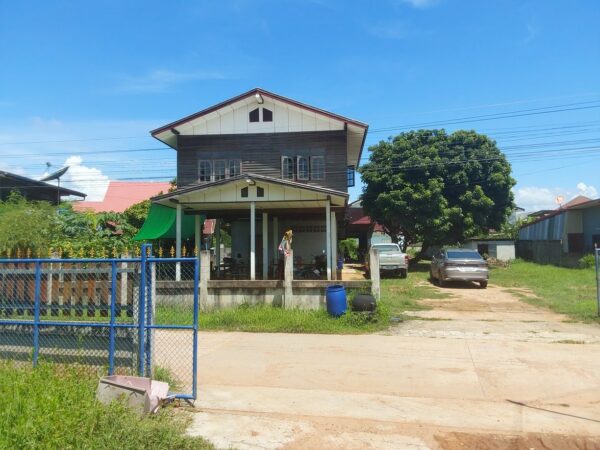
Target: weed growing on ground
[55,406]
[567,291]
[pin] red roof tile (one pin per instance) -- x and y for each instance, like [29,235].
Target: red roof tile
[120,195]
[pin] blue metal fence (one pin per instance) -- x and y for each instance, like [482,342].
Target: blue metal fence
[127,316]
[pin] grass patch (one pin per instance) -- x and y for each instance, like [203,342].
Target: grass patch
[269,319]
[55,407]
[563,290]
[397,296]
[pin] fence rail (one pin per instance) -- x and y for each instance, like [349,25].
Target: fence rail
[103,312]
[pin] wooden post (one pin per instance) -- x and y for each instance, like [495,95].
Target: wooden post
[333,246]
[265,245]
[218,246]
[374,269]
[198,236]
[328,237]
[178,242]
[252,240]
[288,276]
[275,239]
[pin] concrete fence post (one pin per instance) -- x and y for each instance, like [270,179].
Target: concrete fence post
[374,270]
[288,276]
[204,277]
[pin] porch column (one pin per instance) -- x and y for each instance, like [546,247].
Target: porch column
[328,237]
[334,245]
[218,246]
[265,244]
[178,241]
[252,240]
[197,236]
[275,239]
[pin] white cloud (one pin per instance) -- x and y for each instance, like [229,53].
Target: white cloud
[587,190]
[162,80]
[534,198]
[85,179]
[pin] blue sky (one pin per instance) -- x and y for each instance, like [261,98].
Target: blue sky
[82,80]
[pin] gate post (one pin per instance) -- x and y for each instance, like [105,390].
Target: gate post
[113,306]
[142,311]
[195,333]
[36,312]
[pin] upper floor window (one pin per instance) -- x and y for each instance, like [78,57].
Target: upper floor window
[267,115]
[235,167]
[204,171]
[287,167]
[219,168]
[350,175]
[317,169]
[303,169]
[254,115]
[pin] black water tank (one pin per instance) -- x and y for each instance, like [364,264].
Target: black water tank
[364,302]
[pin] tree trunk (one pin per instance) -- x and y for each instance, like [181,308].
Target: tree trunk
[423,253]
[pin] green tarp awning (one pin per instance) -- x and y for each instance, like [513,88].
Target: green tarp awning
[160,224]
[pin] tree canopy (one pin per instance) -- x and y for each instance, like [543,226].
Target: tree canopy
[437,188]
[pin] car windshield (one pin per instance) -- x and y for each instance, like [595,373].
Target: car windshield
[387,248]
[463,255]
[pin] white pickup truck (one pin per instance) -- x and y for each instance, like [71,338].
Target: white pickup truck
[391,259]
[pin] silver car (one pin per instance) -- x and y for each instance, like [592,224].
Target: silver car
[459,264]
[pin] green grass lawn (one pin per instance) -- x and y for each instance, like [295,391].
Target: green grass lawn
[54,407]
[397,296]
[568,291]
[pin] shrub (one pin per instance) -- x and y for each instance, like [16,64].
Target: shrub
[587,261]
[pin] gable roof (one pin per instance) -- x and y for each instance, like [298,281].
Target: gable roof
[253,93]
[576,201]
[231,117]
[120,195]
[36,190]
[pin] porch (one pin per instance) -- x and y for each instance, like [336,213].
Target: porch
[257,210]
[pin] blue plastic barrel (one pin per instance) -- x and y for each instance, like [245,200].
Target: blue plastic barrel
[336,300]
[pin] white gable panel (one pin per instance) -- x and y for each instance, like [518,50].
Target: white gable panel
[213,126]
[227,122]
[322,124]
[234,119]
[294,120]
[281,117]
[241,119]
[309,121]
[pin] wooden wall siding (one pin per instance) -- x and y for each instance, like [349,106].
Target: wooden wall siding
[261,154]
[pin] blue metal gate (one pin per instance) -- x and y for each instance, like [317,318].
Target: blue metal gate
[123,315]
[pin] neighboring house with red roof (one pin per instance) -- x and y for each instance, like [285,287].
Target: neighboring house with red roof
[120,195]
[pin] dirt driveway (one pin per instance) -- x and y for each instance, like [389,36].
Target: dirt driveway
[480,370]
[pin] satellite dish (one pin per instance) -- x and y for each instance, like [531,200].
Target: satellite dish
[55,175]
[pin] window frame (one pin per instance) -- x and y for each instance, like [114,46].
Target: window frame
[214,168]
[210,170]
[257,115]
[313,159]
[350,176]
[305,177]
[239,164]
[291,176]
[263,114]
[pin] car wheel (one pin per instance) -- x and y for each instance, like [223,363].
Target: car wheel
[483,284]
[403,273]
[431,277]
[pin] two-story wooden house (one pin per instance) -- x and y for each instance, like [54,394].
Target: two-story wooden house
[264,164]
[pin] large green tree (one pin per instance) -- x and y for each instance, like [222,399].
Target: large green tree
[437,188]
